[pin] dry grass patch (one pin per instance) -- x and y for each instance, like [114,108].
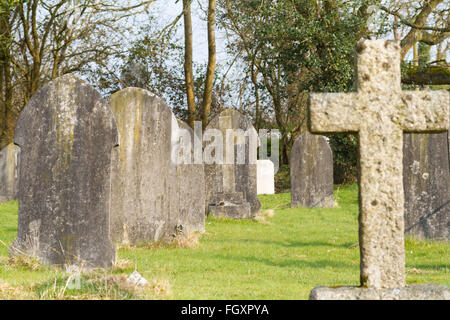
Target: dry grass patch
[94,286]
[22,262]
[264,216]
[8,292]
[189,241]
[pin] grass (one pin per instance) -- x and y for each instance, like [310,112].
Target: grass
[281,255]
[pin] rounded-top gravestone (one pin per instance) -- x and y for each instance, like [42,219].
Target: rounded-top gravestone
[311,172]
[144,187]
[66,133]
[231,181]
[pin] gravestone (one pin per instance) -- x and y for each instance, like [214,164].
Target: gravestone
[426,179]
[266,177]
[191,184]
[146,182]
[65,133]
[311,172]
[380,112]
[231,186]
[9,173]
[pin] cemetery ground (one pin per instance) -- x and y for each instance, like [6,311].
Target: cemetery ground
[283,254]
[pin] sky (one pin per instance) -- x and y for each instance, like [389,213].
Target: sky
[169,10]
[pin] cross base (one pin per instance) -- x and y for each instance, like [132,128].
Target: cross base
[411,292]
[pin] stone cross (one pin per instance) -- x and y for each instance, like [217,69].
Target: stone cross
[380,112]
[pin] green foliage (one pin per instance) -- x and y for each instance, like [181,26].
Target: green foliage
[345,157]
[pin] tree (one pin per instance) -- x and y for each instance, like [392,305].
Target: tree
[189,75]
[207,95]
[52,37]
[7,18]
[425,23]
[294,47]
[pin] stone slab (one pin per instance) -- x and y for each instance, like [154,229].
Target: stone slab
[9,175]
[410,292]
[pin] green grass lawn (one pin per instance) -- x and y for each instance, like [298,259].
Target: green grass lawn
[279,257]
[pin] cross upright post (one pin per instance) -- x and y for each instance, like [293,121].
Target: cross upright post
[380,112]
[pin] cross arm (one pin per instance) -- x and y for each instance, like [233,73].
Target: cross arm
[424,111]
[334,112]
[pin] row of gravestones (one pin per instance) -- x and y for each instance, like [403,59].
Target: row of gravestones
[426,176]
[93,173]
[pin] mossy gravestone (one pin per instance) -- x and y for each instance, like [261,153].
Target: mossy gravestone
[153,197]
[380,112]
[426,179]
[66,133]
[311,172]
[191,184]
[9,172]
[231,181]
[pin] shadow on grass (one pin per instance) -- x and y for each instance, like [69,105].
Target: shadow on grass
[296,263]
[296,244]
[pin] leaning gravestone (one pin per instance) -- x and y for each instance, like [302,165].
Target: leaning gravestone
[380,112]
[231,186]
[191,184]
[426,179]
[311,172]
[8,173]
[66,133]
[266,177]
[146,180]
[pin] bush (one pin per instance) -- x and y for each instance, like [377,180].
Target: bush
[345,157]
[283,179]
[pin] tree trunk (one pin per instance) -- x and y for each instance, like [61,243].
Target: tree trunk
[189,76]
[207,95]
[5,77]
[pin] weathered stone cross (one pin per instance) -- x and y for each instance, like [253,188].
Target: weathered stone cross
[380,112]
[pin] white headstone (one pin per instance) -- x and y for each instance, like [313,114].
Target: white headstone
[265,177]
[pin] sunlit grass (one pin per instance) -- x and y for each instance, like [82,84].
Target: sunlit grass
[281,255]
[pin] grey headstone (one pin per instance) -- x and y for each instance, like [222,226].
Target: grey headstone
[191,186]
[66,133]
[9,173]
[145,200]
[231,189]
[426,180]
[311,172]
